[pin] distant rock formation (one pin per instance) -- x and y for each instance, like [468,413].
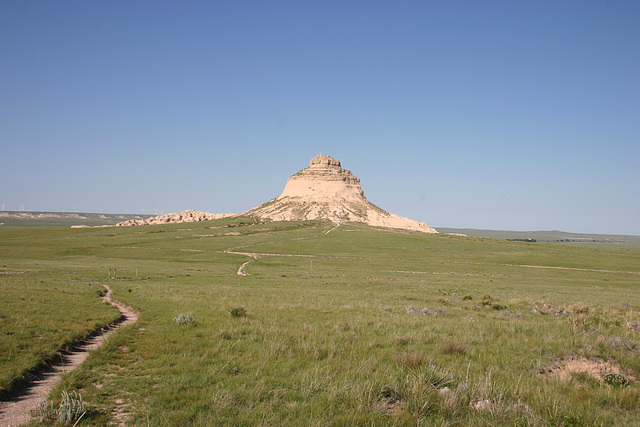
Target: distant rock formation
[51,215]
[326,191]
[170,218]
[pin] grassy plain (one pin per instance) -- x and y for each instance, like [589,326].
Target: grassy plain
[334,331]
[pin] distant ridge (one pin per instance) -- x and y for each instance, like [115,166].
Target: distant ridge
[550,236]
[9,219]
[326,191]
[56,215]
[172,218]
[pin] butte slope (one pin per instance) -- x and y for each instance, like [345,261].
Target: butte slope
[326,191]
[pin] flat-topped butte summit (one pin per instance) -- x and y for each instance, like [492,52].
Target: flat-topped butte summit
[325,190]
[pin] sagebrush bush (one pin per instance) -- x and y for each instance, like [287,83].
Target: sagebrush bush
[486,301]
[184,319]
[68,413]
[47,411]
[579,309]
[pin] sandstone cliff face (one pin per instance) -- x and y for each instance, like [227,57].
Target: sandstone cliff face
[326,191]
[170,218]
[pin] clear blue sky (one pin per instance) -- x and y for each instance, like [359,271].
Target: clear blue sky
[517,115]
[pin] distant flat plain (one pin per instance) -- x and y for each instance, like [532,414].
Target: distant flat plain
[19,219]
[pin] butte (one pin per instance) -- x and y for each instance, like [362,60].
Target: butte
[325,191]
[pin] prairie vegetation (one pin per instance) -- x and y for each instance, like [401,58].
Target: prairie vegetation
[350,326]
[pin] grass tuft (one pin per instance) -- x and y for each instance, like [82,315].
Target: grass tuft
[453,347]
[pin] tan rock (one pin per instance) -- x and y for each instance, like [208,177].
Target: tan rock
[325,190]
[186,216]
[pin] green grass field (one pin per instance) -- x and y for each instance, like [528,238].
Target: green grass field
[334,331]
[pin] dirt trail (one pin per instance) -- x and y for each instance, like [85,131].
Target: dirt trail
[17,410]
[256,255]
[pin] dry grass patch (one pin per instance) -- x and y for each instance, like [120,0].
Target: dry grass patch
[453,347]
[412,360]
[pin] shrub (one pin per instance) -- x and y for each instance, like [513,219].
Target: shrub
[238,312]
[71,409]
[184,319]
[617,380]
[579,309]
[486,301]
[47,411]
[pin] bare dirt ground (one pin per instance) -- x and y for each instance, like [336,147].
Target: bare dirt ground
[573,364]
[35,390]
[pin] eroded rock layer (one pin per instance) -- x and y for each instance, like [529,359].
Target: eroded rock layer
[325,190]
[170,218]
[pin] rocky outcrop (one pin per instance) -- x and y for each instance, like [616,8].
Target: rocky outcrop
[325,190]
[170,218]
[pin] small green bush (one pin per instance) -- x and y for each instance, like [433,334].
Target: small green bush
[579,309]
[485,301]
[47,411]
[238,312]
[617,380]
[71,409]
[184,319]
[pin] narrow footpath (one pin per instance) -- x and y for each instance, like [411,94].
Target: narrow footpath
[255,255]
[17,410]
